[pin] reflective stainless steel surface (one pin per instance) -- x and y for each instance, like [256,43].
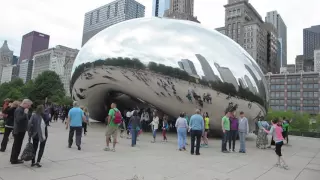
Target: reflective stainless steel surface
[204,54]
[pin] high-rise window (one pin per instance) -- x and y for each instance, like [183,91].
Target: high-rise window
[98,14]
[116,9]
[91,16]
[108,12]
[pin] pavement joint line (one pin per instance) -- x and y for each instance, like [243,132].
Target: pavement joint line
[237,168]
[65,177]
[90,177]
[264,172]
[305,167]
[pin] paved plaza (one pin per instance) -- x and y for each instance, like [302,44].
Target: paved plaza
[161,161]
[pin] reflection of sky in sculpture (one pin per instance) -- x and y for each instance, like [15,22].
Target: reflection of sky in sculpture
[167,41]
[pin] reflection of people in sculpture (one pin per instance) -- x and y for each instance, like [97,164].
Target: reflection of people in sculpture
[189,97]
[249,105]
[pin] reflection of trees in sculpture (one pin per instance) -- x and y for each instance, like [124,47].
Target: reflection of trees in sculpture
[226,88]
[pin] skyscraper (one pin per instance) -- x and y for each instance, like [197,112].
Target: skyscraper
[299,63]
[181,9]
[25,70]
[274,18]
[6,56]
[159,7]
[311,41]
[206,68]
[31,43]
[245,26]
[108,15]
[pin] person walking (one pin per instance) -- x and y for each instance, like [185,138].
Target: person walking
[182,126]
[19,129]
[165,127]
[155,126]
[85,124]
[114,115]
[9,123]
[206,130]
[243,131]
[38,132]
[196,129]
[74,121]
[225,129]
[234,123]
[135,127]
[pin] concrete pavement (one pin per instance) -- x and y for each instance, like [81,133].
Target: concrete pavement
[161,161]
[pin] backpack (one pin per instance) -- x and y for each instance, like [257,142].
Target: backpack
[117,117]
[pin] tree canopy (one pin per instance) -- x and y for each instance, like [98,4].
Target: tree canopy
[47,85]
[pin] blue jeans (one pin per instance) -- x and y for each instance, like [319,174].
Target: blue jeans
[154,133]
[225,138]
[182,136]
[242,138]
[134,134]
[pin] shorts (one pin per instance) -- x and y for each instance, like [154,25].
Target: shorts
[112,131]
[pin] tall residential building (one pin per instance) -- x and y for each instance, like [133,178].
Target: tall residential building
[272,49]
[25,70]
[110,14]
[159,7]
[6,56]
[31,43]
[317,60]
[297,92]
[181,9]
[274,18]
[9,72]
[188,66]
[299,63]
[311,41]
[245,26]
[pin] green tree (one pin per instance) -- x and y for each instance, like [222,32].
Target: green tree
[11,89]
[47,85]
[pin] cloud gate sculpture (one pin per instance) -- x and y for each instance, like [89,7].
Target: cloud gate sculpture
[174,65]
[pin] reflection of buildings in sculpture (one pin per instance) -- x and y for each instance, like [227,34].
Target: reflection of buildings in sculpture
[250,85]
[188,66]
[159,7]
[260,89]
[207,70]
[227,76]
[241,83]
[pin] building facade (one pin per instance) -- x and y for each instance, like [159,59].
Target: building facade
[25,70]
[9,72]
[299,63]
[245,26]
[311,41]
[206,68]
[276,20]
[31,43]
[181,9]
[272,49]
[297,92]
[159,7]
[6,56]
[110,14]
[317,60]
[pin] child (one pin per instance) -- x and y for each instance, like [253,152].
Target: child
[276,132]
[165,126]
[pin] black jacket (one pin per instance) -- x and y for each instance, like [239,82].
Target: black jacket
[10,118]
[20,120]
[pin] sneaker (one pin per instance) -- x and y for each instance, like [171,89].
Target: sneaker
[233,151]
[106,149]
[113,150]
[79,148]
[206,146]
[286,167]
[226,151]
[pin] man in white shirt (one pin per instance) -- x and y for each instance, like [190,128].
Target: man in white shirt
[243,128]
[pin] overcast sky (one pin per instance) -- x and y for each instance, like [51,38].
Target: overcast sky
[63,19]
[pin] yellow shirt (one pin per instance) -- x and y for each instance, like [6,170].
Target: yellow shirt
[206,123]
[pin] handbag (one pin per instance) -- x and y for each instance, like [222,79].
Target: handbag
[28,152]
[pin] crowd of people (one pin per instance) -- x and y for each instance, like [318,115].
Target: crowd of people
[19,120]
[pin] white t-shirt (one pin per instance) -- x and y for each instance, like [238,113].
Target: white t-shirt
[129,114]
[155,123]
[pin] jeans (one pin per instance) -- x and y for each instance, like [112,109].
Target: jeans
[35,142]
[16,147]
[182,135]
[154,133]
[78,135]
[84,126]
[195,134]
[225,138]
[242,138]
[232,138]
[134,135]
[5,139]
